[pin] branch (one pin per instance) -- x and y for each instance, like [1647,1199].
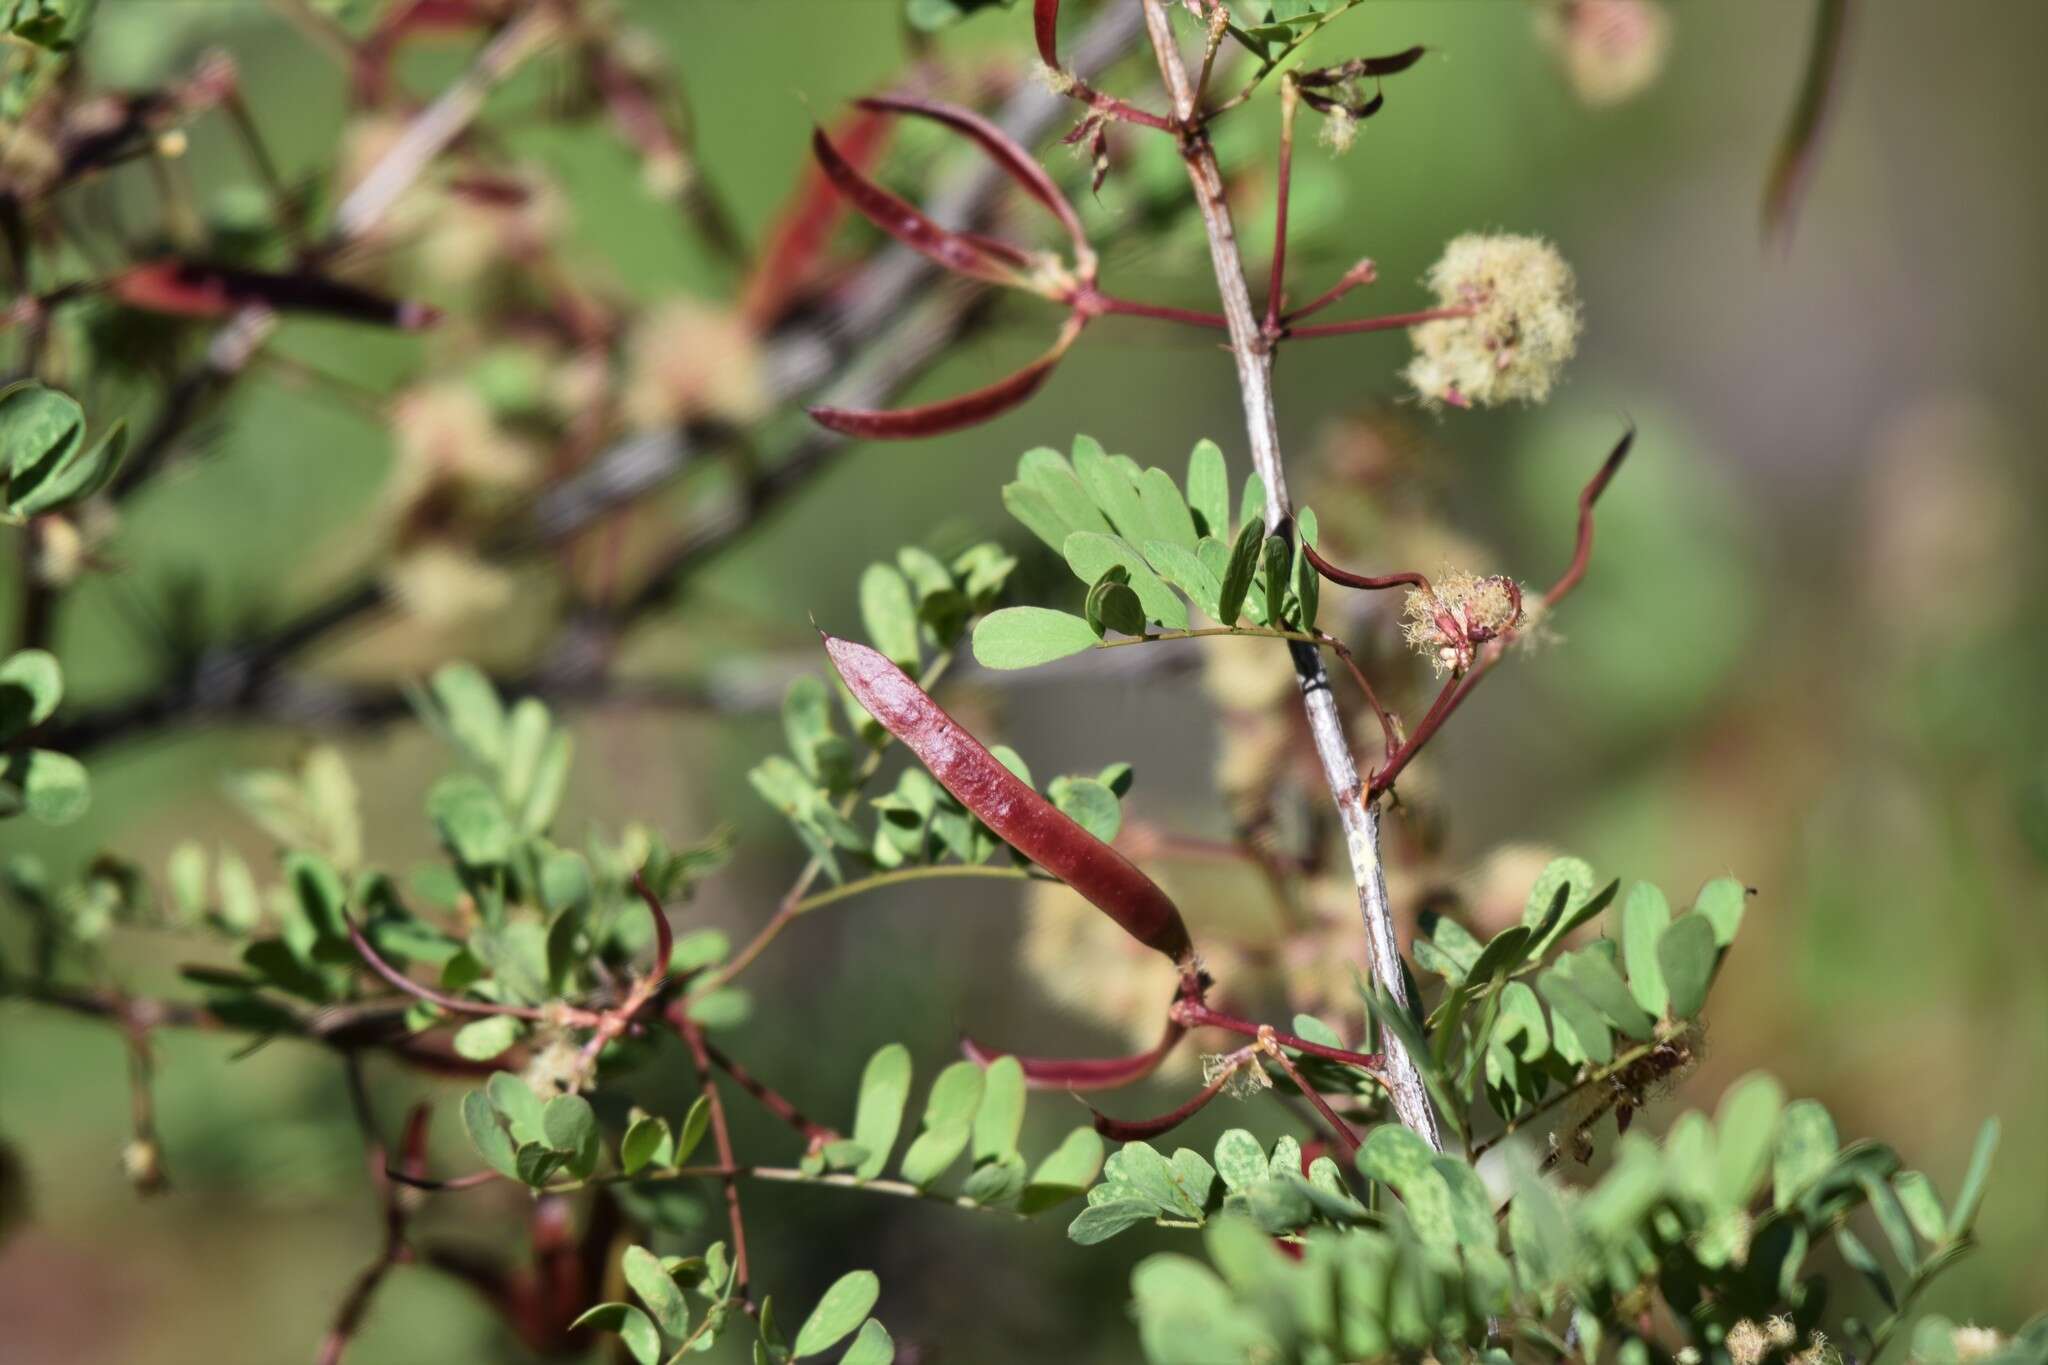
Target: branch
[246,680]
[1253,355]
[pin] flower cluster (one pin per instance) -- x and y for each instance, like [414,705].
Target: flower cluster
[1460,612]
[1518,323]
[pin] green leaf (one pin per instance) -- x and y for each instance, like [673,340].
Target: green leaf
[657,1289]
[486,1130]
[1001,1116]
[1100,1222]
[1237,577]
[482,1039]
[647,1143]
[1209,489]
[1721,901]
[1593,974]
[1396,1157]
[632,1327]
[1806,1147]
[475,716]
[1251,506]
[44,461]
[1047,473]
[1111,605]
[872,1347]
[696,1123]
[31,685]
[697,950]
[1184,569]
[1021,637]
[948,1117]
[515,1099]
[1154,1177]
[1278,555]
[1573,877]
[567,1123]
[878,1113]
[1686,954]
[1864,1263]
[50,786]
[1091,556]
[723,1008]
[1115,491]
[1240,1160]
[1578,1030]
[1066,1172]
[888,615]
[471,821]
[1963,1215]
[1169,515]
[1645,915]
[1308,584]
[1922,1205]
[1028,506]
[843,1308]
[1746,1128]
[1089,804]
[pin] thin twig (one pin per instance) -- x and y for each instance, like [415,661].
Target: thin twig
[1253,355]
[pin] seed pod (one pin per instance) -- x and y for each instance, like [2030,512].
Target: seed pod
[1020,816]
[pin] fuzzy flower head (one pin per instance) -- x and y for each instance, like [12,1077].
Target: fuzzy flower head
[1611,50]
[1522,327]
[1462,611]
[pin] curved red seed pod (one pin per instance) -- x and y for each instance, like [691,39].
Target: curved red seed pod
[1015,161]
[1582,552]
[1020,816]
[948,414]
[1045,22]
[904,222]
[195,289]
[1082,1073]
[803,228]
[1359,580]
[1138,1130]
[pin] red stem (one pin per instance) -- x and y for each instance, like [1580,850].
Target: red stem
[1447,700]
[1277,281]
[817,1134]
[1196,1014]
[1109,304]
[1390,322]
[1337,1125]
[1365,272]
[413,988]
[721,1138]
[664,932]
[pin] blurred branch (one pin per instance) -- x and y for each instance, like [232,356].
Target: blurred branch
[892,295]
[366,205]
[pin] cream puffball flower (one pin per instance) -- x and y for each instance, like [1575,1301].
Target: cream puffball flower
[1522,326]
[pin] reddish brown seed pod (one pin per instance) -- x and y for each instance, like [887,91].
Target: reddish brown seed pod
[953,250]
[1001,148]
[1082,1073]
[949,414]
[1017,814]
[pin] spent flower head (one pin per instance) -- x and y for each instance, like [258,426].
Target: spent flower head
[1521,323]
[1461,611]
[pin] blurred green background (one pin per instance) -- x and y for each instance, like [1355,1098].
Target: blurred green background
[1808,652]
